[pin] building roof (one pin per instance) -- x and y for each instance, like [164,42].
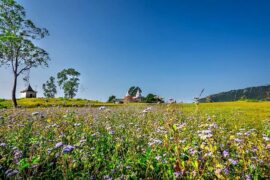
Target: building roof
[28,89]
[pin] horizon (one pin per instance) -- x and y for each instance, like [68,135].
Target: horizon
[172,49]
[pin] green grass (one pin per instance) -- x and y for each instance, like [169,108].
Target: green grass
[186,141]
[51,102]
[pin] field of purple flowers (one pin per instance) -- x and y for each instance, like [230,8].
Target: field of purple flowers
[132,142]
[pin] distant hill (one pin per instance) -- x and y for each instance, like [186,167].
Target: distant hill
[260,93]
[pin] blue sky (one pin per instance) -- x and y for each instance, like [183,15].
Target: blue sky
[172,48]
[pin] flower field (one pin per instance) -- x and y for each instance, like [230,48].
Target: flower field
[206,141]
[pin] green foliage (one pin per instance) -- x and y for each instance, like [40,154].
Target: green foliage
[112,98]
[17,36]
[133,90]
[68,80]
[151,98]
[49,88]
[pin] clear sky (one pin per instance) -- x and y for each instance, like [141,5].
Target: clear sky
[172,48]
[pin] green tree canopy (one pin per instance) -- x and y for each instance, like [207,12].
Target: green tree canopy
[68,80]
[17,47]
[152,98]
[49,88]
[112,98]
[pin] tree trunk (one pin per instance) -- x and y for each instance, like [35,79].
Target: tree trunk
[14,100]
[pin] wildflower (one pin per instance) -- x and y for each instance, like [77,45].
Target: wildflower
[180,126]
[3,145]
[225,153]
[213,126]
[205,134]
[158,158]
[248,177]
[58,145]
[148,109]
[226,171]
[268,146]
[266,138]
[77,124]
[107,177]
[11,172]
[101,108]
[209,154]
[111,132]
[82,141]
[192,151]
[154,141]
[177,174]
[238,140]
[57,155]
[50,150]
[68,148]
[233,162]
[17,155]
[35,113]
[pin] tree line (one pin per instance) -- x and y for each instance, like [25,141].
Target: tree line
[67,79]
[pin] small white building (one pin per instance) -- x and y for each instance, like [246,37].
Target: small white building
[28,92]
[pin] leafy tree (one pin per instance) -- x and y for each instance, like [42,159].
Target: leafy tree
[112,98]
[49,88]
[133,90]
[151,98]
[68,80]
[17,36]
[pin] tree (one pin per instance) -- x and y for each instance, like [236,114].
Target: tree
[151,98]
[49,88]
[133,90]
[112,98]
[17,36]
[68,80]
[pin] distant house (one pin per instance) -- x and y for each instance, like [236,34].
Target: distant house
[119,101]
[29,92]
[137,98]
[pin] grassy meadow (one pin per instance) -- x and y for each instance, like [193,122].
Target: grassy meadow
[177,141]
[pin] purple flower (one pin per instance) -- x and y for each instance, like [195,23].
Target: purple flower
[107,177]
[3,145]
[234,162]
[68,148]
[238,140]
[266,138]
[225,154]
[58,145]
[50,150]
[248,177]
[11,172]
[177,174]
[226,171]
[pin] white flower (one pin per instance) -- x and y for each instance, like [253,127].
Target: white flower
[148,109]
[35,113]
[101,108]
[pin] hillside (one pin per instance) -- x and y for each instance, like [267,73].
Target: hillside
[261,93]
